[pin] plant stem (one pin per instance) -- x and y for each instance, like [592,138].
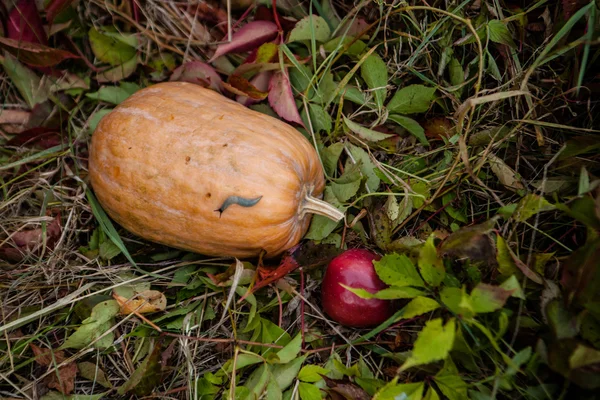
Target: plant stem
[315,206]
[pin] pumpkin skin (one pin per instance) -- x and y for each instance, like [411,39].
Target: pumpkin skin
[163,163]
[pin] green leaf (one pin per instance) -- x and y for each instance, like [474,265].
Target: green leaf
[312,373]
[95,118]
[92,372]
[113,94]
[403,391]
[452,386]
[147,376]
[455,70]
[107,226]
[419,306]
[518,360]
[257,382]
[290,351]
[111,48]
[488,298]
[320,226]
[530,205]
[25,80]
[330,157]
[512,284]
[431,394]
[284,374]
[411,126]
[310,27]
[506,264]
[499,33]
[583,356]
[412,99]
[346,186]
[119,72]
[273,391]
[353,94]
[366,133]
[244,360]
[309,391]
[397,270]
[320,120]
[355,49]
[394,292]
[433,343]
[374,71]
[431,266]
[100,321]
[366,166]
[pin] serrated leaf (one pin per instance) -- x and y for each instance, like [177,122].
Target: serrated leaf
[312,373]
[345,191]
[309,27]
[375,74]
[309,391]
[248,37]
[320,226]
[366,166]
[488,298]
[281,98]
[403,391]
[397,270]
[418,306]
[499,33]
[411,126]
[412,99]
[366,133]
[284,374]
[319,118]
[330,157]
[433,343]
[530,205]
[290,351]
[431,266]
[355,49]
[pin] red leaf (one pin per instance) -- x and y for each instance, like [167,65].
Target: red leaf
[44,137]
[281,97]
[247,38]
[29,240]
[199,73]
[35,54]
[63,379]
[55,7]
[570,7]
[261,83]
[264,13]
[357,27]
[25,25]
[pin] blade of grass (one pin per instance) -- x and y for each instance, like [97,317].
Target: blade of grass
[586,48]
[52,151]
[107,226]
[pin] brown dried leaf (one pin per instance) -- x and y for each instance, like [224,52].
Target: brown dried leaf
[506,175]
[240,86]
[342,389]
[64,380]
[45,357]
[145,302]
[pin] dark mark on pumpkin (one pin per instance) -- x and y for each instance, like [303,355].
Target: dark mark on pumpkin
[240,201]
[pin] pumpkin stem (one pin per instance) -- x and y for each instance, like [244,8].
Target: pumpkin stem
[315,206]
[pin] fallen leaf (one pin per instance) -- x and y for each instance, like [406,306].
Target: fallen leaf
[96,325]
[345,389]
[24,23]
[438,127]
[261,82]
[145,302]
[240,86]
[281,98]
[26,81]
[111,47]
[30,240]
[250,36]
[92,372]
[42,137]
[55,7]
[64,378]
[119,72]
[147,376]
[34,53]
[199,73]
[471,242]
[506,175]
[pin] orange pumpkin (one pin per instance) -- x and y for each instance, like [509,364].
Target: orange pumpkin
[182,165]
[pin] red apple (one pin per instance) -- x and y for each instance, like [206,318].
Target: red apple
[354,268]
